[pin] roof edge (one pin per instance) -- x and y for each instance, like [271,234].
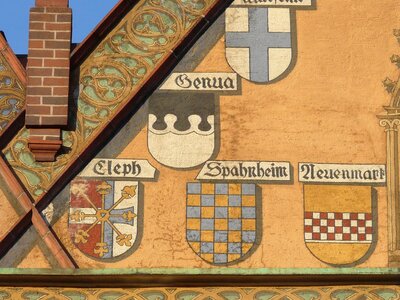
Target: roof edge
[12,59]
[115,15]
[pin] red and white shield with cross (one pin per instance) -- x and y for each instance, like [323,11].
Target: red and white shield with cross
[103,216]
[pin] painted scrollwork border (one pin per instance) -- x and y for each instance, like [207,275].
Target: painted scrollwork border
[226,293]
[12,94]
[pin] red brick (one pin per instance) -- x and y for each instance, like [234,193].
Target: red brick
[62,53]
[63,35]
[35,62]
[37,10]
[60,91]
[37,110]
[52,3]
[58,44]
[35,81]
[33,99]
[59,110]
[38,91]
[57,10]
[61,72]
[36,25]
[54,121]
[61,63]
[39,72]
[64,18]
[51,100]
[44,131]
[32,120]
[36,137]
[36,44]
[40,53]
[44,134]
[40,35]
[57,26]
[42,17]
[54,81]
[51,138]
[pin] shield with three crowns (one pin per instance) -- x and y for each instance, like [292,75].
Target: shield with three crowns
[103,216]
[339,223]
[258,41]
[221,221]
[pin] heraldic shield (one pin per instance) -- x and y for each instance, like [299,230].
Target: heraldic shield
[339,223]
[221,221]
[178,123]
[103,216]
[258,42]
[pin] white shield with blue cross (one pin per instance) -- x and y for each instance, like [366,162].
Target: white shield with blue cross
[258,42]
[221,221]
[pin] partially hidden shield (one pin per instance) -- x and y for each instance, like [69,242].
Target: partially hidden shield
[221,221]
[103,216]
[338,222]
[258,42]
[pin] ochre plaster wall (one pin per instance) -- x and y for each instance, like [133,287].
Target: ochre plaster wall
[35,255]
[8,215]
[323,111]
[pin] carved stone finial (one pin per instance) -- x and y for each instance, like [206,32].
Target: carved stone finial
[389,85]
[396,60]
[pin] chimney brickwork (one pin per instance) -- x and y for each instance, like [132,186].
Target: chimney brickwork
[48,68]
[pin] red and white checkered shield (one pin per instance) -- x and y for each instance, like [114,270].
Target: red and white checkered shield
[338,222]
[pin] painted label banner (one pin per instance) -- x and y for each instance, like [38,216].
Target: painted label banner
[342,173]
[119,168]
[245,170]
[267,3]
[201,82]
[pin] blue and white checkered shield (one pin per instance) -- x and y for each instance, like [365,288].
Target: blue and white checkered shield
[258,42]
[221,221]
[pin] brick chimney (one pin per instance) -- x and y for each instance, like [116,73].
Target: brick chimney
[48,66]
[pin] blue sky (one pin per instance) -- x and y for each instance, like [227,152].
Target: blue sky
[14,19]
